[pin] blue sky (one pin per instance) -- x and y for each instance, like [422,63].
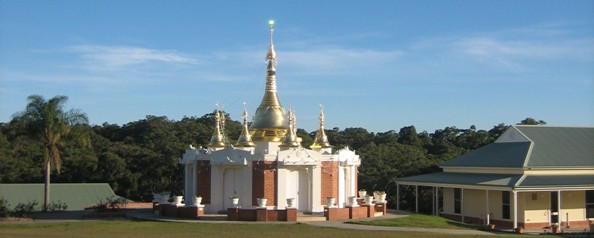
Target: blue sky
[380,65]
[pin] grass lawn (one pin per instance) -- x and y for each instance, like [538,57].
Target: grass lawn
[418,220]
[147,229]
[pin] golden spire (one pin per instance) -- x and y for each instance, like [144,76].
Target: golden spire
[269,123]
[321,140]
[290,139]
[271,54]
[218,138]
[245,139]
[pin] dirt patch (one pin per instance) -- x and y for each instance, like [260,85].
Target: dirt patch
[15,219]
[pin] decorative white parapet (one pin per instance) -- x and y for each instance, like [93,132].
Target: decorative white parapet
[299,156]
[231,156]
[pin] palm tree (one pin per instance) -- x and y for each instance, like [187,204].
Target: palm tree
[49,121]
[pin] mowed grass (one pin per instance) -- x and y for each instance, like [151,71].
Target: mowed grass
[418,220]
[148,229]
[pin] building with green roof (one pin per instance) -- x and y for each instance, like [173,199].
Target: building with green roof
[77,196]
[536,177]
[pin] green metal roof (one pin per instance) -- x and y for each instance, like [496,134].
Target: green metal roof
[560,146]
[552,147]
[506,155]
[76,195]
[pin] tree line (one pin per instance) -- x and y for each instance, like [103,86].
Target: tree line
[142,157]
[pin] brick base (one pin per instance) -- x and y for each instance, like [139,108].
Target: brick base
[358,212]
[335,213]
[261,214]
[190,212]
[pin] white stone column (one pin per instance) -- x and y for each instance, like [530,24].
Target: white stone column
[560,216]
[316,188]
[216,190]
[281,188]
[515,195]
[195,178]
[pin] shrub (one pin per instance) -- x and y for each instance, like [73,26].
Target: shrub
[22,209]
[4,210]
[117,202]
[57,206]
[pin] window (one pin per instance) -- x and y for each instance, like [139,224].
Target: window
[590,204]
[505,207]
[457,200]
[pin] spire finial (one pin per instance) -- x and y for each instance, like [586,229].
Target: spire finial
[271,24]
[271,55]
[322,116]
[245,113]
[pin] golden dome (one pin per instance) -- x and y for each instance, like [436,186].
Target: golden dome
[269,123]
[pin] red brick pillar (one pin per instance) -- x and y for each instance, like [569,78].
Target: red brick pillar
[233,214]
[261,214]
[370,210]
[291,214]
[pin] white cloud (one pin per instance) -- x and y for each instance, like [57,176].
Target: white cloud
[115,57]
[511,49]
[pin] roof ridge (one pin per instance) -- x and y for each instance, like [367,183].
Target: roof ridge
[549,126]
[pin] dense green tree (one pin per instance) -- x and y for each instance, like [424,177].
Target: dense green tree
[532,121]
[382,164]
[387,137]
[306,139]
[49,121]
[408,136]
[141,157]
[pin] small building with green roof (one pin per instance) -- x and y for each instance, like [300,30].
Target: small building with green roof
[536,177]
[77,196]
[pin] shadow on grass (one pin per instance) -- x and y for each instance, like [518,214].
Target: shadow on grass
[419,221]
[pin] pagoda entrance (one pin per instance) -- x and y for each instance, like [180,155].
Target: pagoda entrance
[298,187]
